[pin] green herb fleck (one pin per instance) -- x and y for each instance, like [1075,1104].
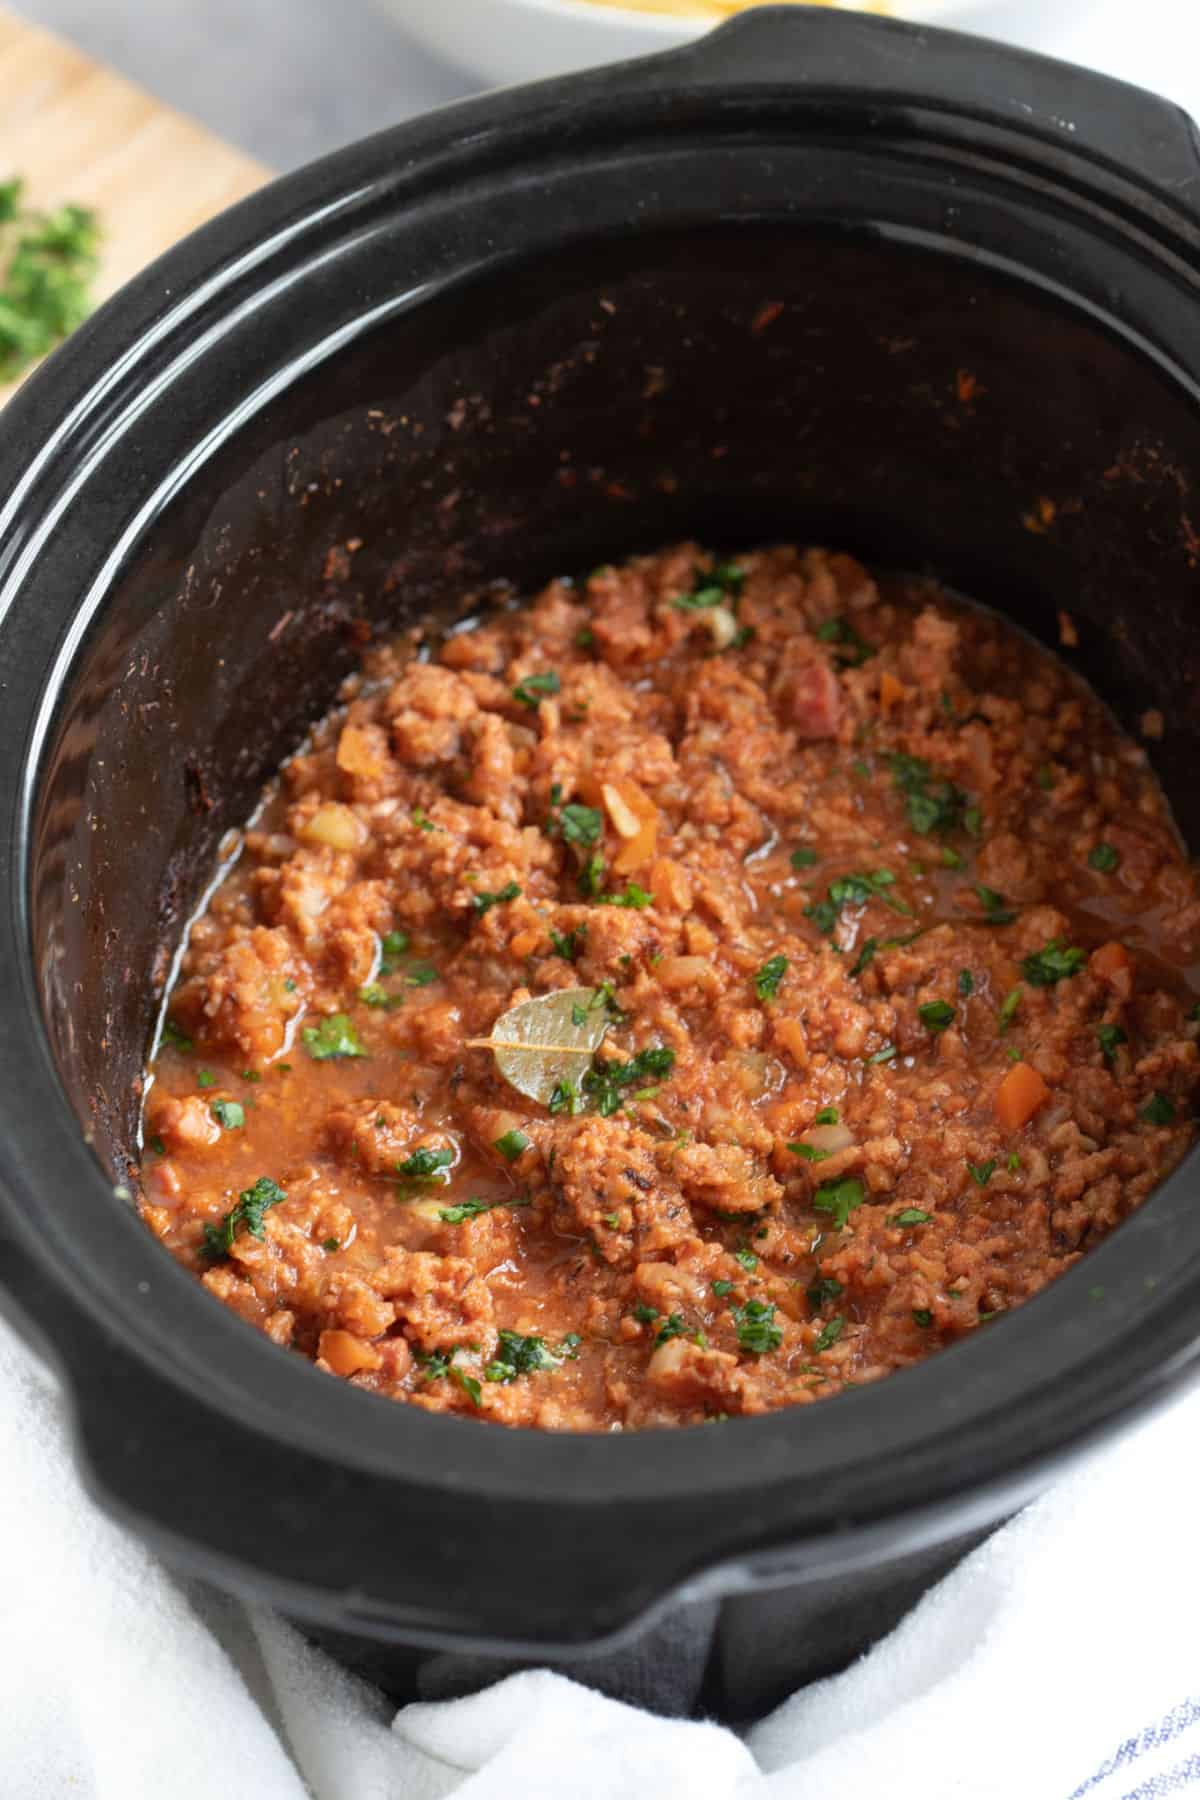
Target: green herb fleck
[839,1199]
[331,1244]
[935,806]
[823,1290]
[484,902]
[922,1316]
[1014,1162]
[671,1327]
[512,1144]
[229,1114]
[996,910]
[645,1315]
[981,1173]
[966,983]
[1109,1037]
[564,1098]
[605,1082]
[810,1153]
[1057,962]
[173,1036]
[852,649]
[376,996]
[333,1037]
[568,944]
[205,1078]
[426,1165]
[634,897]
[828,1115]
[830,1335]
[912,1215]
[1158,1110]
[747,1259]
[936,1015]
[421,975]
[757,1331]
[421,819]
[888,1054]
[1008,1010]
[534,687]
[1104,858]
[865,956]
[250,1211]
[769,977]
[517,1355]
[803,858]
[721,1288]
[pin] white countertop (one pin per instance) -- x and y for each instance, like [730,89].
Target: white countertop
[288,79]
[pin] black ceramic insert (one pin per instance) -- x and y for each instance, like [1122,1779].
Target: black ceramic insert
[817,277]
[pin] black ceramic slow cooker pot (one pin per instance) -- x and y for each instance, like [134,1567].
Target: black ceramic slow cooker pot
[816,277]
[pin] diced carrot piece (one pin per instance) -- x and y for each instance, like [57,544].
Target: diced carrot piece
[1112,963]
[670,885]
[1019,1095]
[789,1035]
[347,1354]
[891,692]
[525,943]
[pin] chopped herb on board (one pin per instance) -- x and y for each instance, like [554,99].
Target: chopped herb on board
[47,262]
[250,1212]
[334,1037]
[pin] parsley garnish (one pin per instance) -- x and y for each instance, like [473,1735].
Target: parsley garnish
[768,978]
[747,1259]
[421,820]
[853,649]
[374,995]
[394,944]
[331,1244]
[333,1037]
[512,1144]
[830,1335]
[935,806]
[1159,1109]
[568,944]
[474,1209]
[981,1173]
[996,910]
[865,956]
[839,1199]
[912,1215]
[672,1327]
[922,1316]
[804,858]
[229,1114]
[530,691]
[645,1315]
[591,877]
[564,1098]
[421,974]
[966,983]
[579,824]
[721,1288]
[824,1289]
[484,902]
[205,1078]
[1055,963]
[517,1355]
[712,588]
[172,1035]
[888,1054]
[634,897]
[1008,1010]
[605,1082]
[810,1153]
[855,890]
[757,1331]
[426,1164]
[1105,858]
[1109,1037]
[250,1211]
[936,1015]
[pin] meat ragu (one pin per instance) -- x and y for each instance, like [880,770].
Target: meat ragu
[880,928]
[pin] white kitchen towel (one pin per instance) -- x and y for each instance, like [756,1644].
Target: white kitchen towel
[1057,1662]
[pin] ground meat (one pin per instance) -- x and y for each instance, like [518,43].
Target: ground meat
[899,918]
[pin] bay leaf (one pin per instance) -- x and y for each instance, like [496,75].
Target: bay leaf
[550,1039]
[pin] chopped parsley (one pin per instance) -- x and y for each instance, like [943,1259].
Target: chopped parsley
[564,1098]
[421,820]
[484,902]
[810,1153]
[935,806]
[981,1173]
[605,1082]
[394,944]
[1109,1036]
[966,983]
[156,1144]
[721,1288]
[747,1259]
[205,1078]
[1008,1009]
[852,649]
[591,876]
[828,1115]
[996,910]
[45,288]
[1014,1162]
[888,1054]
[671,1327]
[333,1037]
[865,956]
[517,1355]
[922,1316]
[534,687]
[331,1244]
[172,1035]
[912,1215]
[757,1331]
[1057,962]
[767,980]
[951,858]
[1159,1109]
[568,944]
[839,1199]
[250,1212]
[421,974]
[634,897]
[936,1015]
[823,1290]
[1104,858]
[229,1114]
[512,1144]
[580,825]
[426,1165]
[712,588]
[803,858]
[831,1333]
[374,995]
[474,1209]
[855,890]
[645,1315]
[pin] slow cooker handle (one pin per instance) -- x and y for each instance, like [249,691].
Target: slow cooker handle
[892,63]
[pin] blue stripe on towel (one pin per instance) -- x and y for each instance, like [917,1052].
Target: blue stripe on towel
[1181,1718]
[1171,1781]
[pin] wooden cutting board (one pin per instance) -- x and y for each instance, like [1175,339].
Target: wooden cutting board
[78,132]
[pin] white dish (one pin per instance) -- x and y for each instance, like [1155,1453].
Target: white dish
[507,41]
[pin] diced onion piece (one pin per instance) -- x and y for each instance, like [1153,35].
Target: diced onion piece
[723,626]
[625,820]
[1019,1096]
[632,806]
[670,885]
[347,1354]
[830,1138]
[335,826]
